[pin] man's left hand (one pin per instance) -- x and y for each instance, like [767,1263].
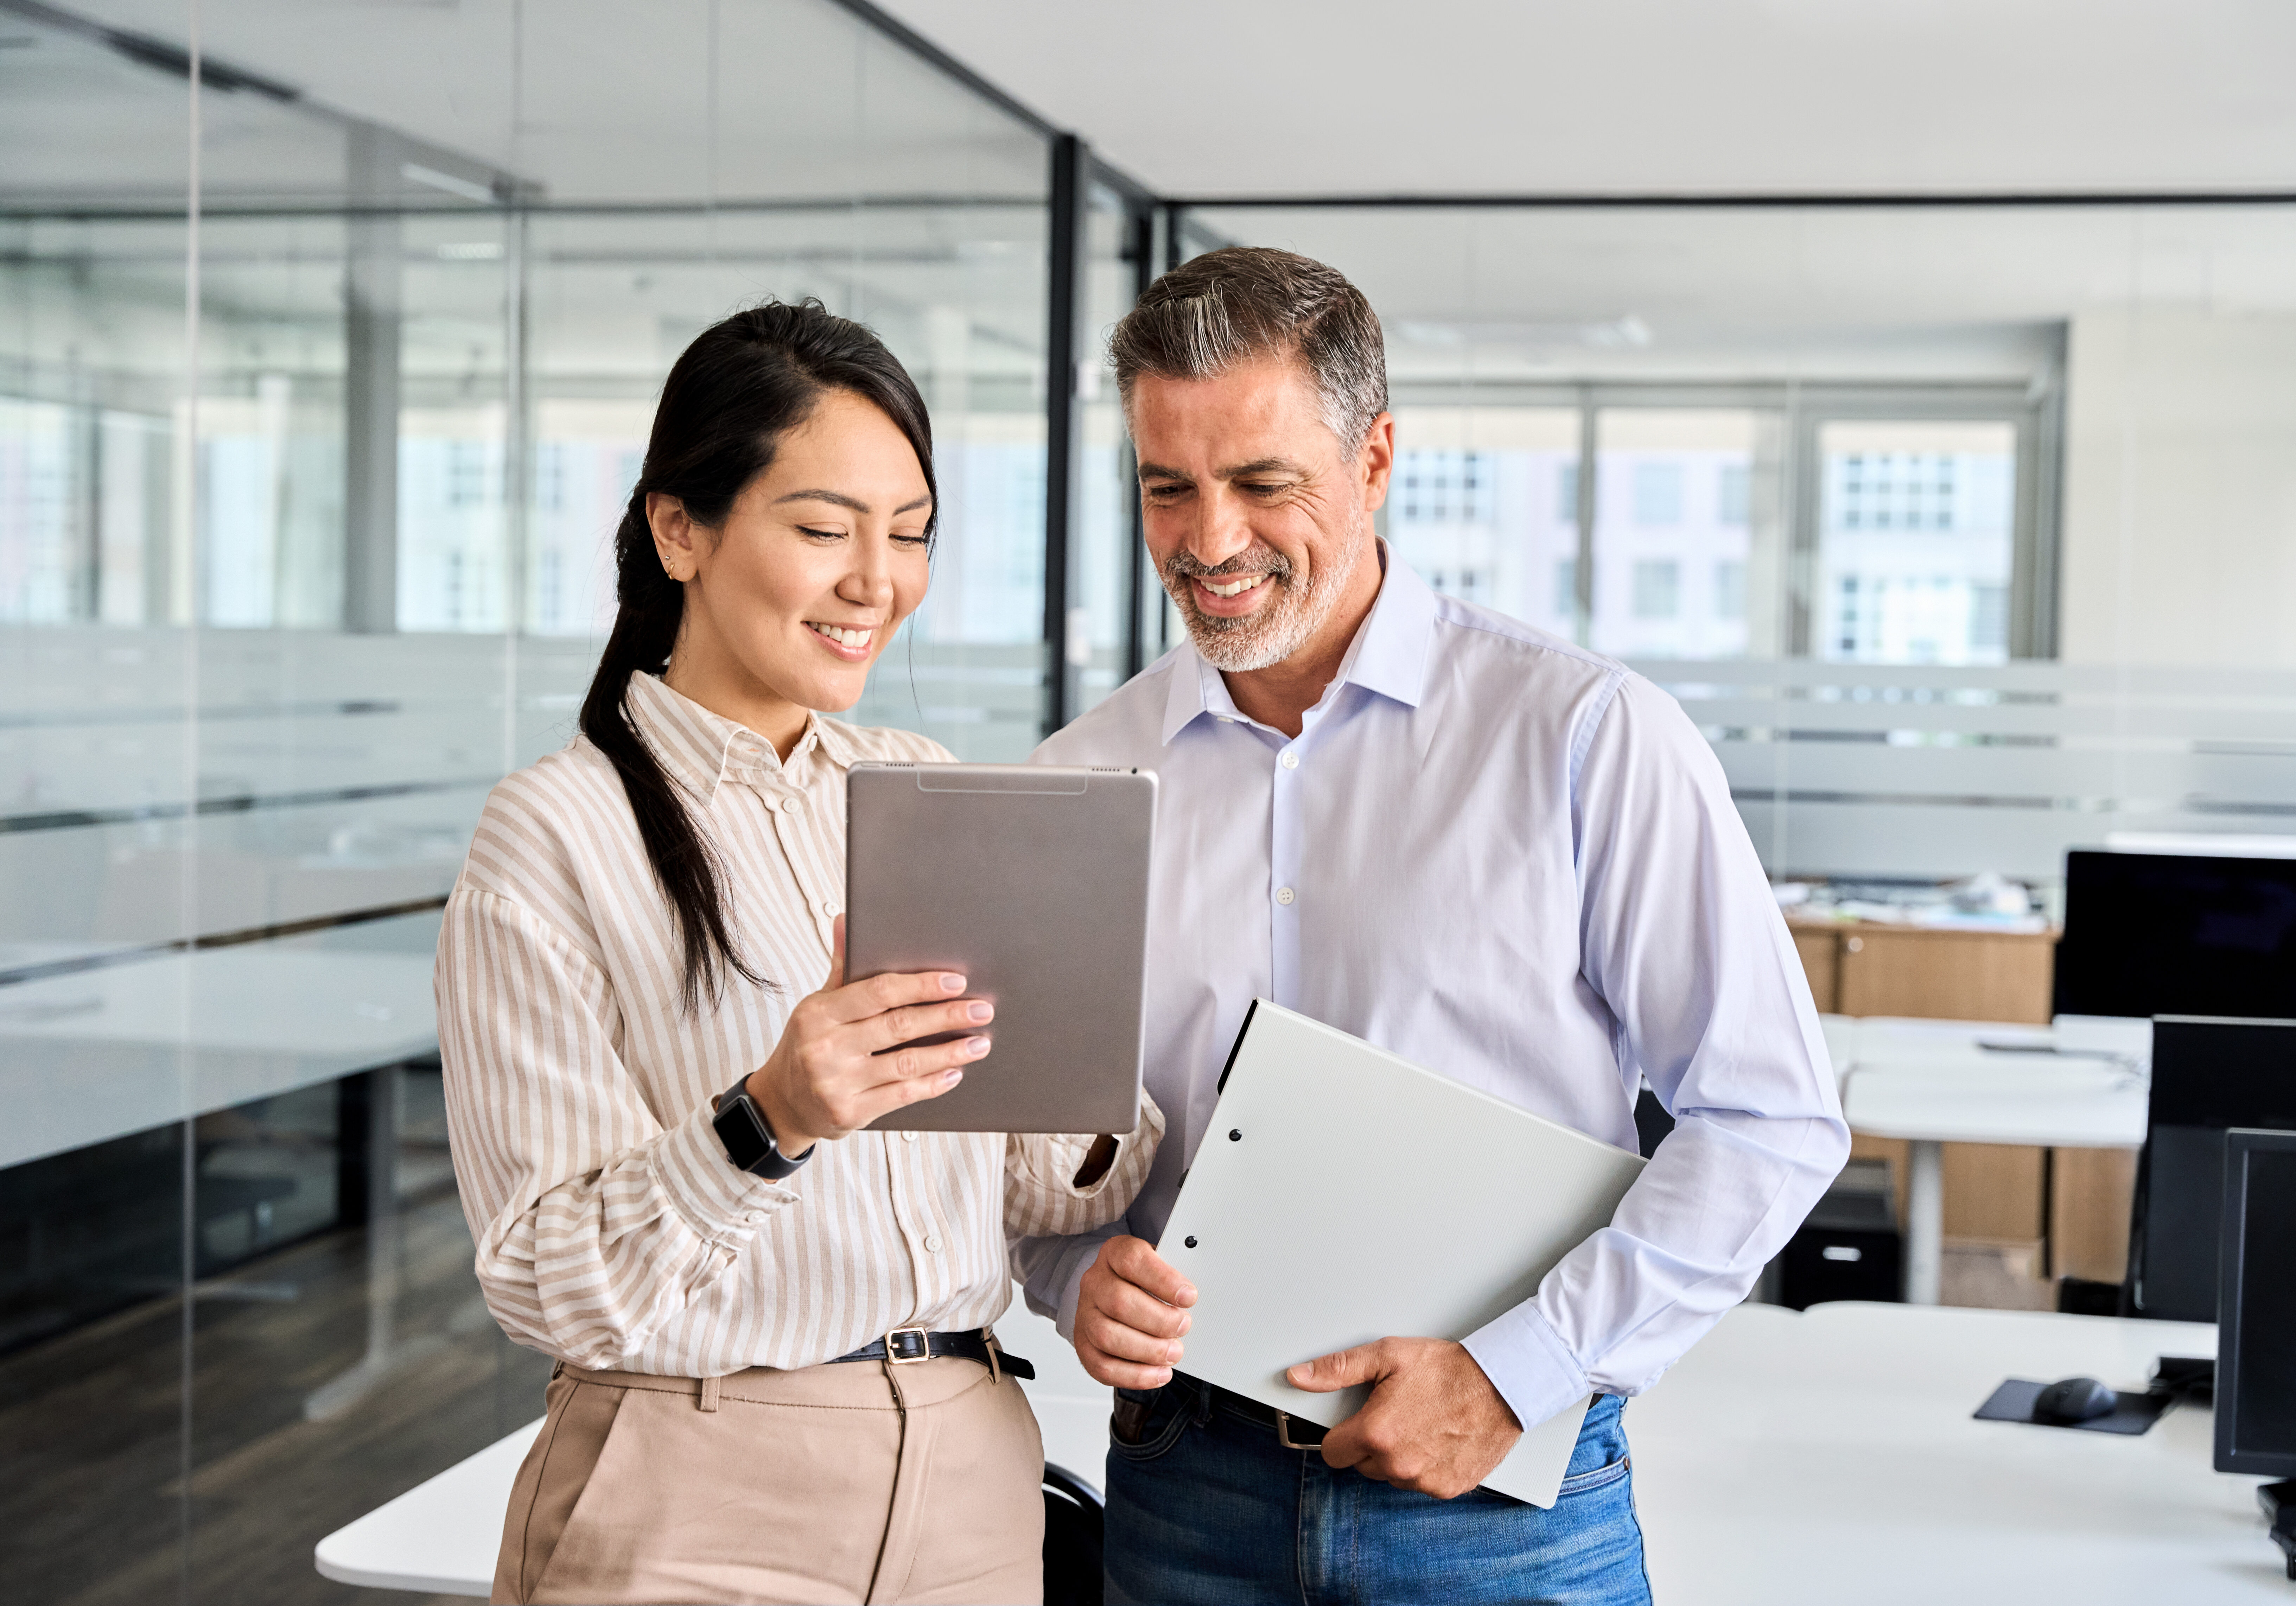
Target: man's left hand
[1433,1422]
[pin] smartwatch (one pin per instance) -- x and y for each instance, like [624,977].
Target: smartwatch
[749,1141]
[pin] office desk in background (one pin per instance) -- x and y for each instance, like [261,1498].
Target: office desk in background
[1931,1083]
[1817,1457]
[97,1053]
[1832,1456]
[2071,1204]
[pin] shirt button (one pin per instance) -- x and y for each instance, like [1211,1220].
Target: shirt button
[829,907]
[908,1137]
[790,806]
[932,1243]
[1284,894]
[1291,760]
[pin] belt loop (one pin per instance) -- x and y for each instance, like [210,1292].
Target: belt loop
[557,1371]
[996,1372]
[708,1398]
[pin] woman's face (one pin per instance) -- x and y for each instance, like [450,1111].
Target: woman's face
[820,558]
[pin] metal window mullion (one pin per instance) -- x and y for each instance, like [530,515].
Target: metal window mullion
[2033,587]
[1582,577]
[1140,231]
[1063,431]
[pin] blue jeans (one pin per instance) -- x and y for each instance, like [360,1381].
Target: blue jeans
[1207,1508]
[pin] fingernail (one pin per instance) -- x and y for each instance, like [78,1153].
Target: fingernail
[980,1010]
[952,984]
[950,1078]
[976,1046]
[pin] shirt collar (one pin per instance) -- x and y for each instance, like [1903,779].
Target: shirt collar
[700,749]
[1389,655]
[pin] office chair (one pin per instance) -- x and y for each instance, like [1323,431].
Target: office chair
[1072,1539]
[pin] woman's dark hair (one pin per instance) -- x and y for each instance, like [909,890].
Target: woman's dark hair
[736,391]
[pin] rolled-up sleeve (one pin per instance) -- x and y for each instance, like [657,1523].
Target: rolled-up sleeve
[1041,1195]
[597,1221]
[1681,937]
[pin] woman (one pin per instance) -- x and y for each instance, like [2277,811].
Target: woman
[657,1130]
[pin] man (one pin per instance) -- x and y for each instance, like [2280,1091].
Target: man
[1469,842]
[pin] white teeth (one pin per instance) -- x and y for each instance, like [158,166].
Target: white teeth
[1233,588]
[844,637]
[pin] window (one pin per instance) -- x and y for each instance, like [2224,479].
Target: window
[1988,619]
[1658,589]
[1566,494]
[469,478]
[1566,588]
[1658,493]
[1671,520]
[1444,487]
[1915,539]
[1469,509]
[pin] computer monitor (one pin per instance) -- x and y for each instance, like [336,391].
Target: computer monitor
[2176,934]
[2256,1322]
[2207,1076]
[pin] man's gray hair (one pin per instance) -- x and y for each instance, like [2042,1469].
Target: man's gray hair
[1246,302]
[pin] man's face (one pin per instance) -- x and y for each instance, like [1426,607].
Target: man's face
[1255,514]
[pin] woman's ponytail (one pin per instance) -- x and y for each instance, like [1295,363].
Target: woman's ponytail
[737,390]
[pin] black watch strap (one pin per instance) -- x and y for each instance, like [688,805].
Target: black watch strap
[749,1139]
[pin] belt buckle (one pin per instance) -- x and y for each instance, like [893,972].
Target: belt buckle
[924,1343]
[1283,1434]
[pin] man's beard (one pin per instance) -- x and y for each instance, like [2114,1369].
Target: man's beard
[1301,605]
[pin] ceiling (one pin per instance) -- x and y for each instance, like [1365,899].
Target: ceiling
[1214,97]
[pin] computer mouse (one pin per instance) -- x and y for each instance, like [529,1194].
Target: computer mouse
[2074,1400]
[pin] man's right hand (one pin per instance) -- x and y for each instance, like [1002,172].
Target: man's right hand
[1131,1310]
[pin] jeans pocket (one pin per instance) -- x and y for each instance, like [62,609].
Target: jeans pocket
[1168,1416]
[1599,1478]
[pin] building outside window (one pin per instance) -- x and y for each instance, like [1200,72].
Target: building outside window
[1916,536]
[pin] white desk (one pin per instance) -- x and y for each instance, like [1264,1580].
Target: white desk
[1820,1457]
[95,1054]
[440,1536]
[1832,1456]
[1933,1083]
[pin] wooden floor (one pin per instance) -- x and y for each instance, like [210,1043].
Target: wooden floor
[94,1509]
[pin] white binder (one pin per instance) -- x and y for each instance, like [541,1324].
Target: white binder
[1343,1194]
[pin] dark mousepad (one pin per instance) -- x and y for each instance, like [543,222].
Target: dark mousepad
[2012,1402]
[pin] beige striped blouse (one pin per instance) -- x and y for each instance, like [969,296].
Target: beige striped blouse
[611,1230]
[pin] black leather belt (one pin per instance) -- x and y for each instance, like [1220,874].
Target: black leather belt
[1292,1432]
[905,1344]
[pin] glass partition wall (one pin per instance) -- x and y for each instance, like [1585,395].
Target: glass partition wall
[1963,533]
[322,391]
[1967,533]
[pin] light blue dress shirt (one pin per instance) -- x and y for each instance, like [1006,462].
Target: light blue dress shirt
[1513,862]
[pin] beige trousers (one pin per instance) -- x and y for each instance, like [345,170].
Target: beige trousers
[860,1481]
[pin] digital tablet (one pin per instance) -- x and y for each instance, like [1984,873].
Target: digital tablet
[1032,882]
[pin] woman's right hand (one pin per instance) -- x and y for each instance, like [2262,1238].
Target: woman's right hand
[829,1074]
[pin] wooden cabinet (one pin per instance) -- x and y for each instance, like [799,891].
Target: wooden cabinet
[1874,970]
[2077,1198]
